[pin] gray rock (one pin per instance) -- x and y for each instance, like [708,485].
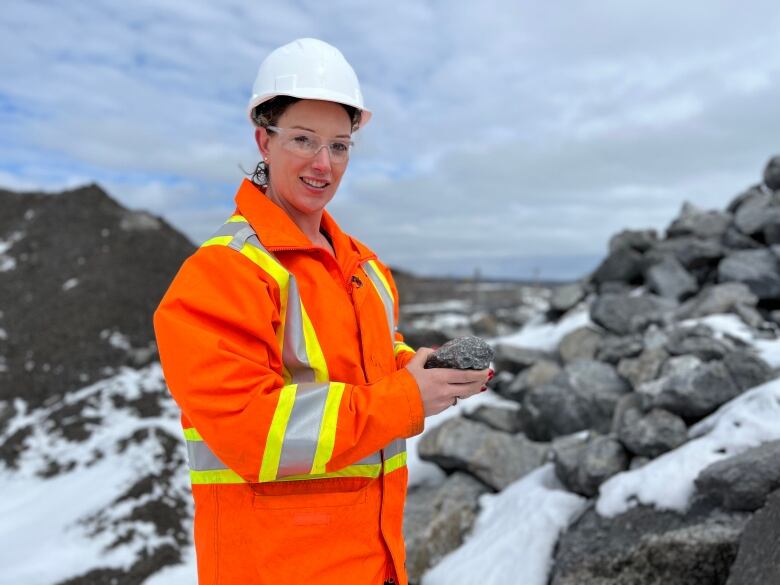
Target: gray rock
[670,280]
[624,314]
[613,348]
[643,368]
[649,547]
[772,174]
[758,559]
[716,299]
[698,341]
[615,287]
[690,251]
[699,392]
[436,520]
[694,221]
[674,366]
[744,481]
[510,358]
[751,193]
[566,296]
[462,353]
[754,213]
[639,240]
[622,265]
[758,269]
[583,463]
[581,343]
[747,369]
[751,316]
[536,375]
[651,434]
[736,240]
[501,419]
[494,457]
[583,396]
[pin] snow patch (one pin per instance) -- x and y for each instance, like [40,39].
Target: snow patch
[667,481]
[540,334]
[70,283]
[513,538]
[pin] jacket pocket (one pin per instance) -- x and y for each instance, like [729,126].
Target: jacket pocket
[315,493]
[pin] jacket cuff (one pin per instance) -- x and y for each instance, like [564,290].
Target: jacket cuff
[411,391]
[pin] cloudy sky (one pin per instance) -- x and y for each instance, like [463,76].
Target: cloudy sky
[513,137]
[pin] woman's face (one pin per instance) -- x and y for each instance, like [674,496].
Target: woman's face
[305,184]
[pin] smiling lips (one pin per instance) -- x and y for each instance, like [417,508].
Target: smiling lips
[315,183]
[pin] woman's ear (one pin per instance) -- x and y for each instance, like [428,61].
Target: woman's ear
[262,138]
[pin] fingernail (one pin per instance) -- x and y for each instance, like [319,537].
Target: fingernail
[483,388]
[490,375]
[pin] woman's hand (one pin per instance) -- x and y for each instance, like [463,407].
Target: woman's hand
[440,387]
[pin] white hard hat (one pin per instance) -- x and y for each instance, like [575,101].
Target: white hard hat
[308,69]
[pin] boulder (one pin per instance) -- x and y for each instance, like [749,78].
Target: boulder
[584,461]
[747,369]
[653,433]
[690,251]
[643,368]
[511,358]
[566,296]
[613,348]
[755,213]
[437,518]
[772,173]
[582,396]
[758,269]
[649,547]
[536,375]
[496,417]
[694,221]
[494,457]
[581,343]
[747,195]
[624,314]
[697,392]
[697,340]
[621,265]
[736,240]
[670,280]
[638,240]
[715,300]
[744,481]
[758,559]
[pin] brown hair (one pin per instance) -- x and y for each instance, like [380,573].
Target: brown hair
[268,113]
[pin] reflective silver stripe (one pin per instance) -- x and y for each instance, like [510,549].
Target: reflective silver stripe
[294,351]
[229,228]
[395,447]
[202,458]
[242,236]
[387,300]
[373,459]
[303,429]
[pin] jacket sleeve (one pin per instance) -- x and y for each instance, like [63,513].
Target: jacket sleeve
[216,333]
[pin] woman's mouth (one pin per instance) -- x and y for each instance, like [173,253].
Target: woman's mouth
[314,183]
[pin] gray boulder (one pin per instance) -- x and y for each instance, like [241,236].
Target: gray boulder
[697,340]
[694,221]
[638,240]
[744,481]
[614,348]
[716,299]
[736,240]
[643,368]
[622,265]
[583,396]
[510,358]
[690,251]
[649,547]
[501,419]
[669,279]
[653,433]
[755,213]
[494,457]
[747,369]
[698,392]
[566,296]
[436,520]
[758,559]
[533,376]
[581,343]
[583,463]
[772,173]
[758,269]
[624,314]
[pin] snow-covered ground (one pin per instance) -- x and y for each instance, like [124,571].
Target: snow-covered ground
[539,334]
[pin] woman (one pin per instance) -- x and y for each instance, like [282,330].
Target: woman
[277,338]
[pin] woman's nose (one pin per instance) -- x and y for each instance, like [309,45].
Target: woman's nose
[321,161]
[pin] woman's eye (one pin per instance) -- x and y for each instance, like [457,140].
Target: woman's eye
[302,140]
[339,147]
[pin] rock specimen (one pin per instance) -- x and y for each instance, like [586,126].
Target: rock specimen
[462,353]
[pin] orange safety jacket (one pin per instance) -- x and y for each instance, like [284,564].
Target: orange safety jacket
[288,370]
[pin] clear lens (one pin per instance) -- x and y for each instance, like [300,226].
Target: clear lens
[307,144]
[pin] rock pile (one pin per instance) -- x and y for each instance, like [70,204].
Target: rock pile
[625,388]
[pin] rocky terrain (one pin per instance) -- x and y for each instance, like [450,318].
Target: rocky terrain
[632,435]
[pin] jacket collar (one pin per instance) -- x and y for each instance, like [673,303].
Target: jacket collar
[278,232]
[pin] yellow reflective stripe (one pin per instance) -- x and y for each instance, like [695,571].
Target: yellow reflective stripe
[313,349]
[215,476]
[236,219]
[395,462]
[400,346]
[191,434]
[372,470]
[273,444]
[327,438]
[217,241]
[381,276]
